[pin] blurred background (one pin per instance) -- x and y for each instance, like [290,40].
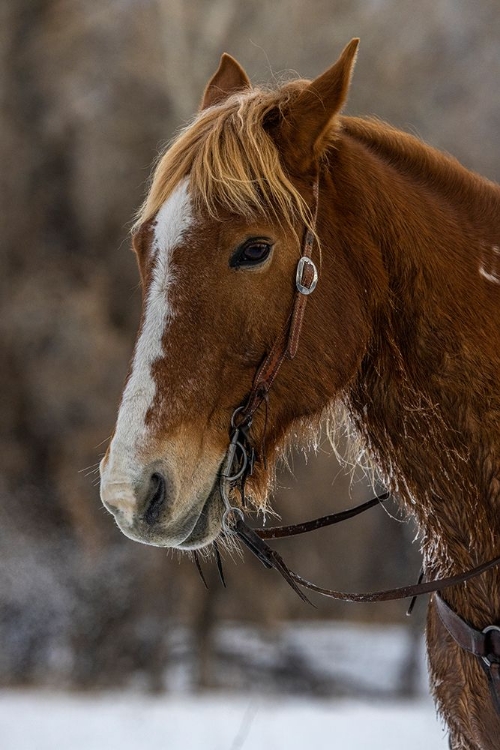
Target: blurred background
[91,91]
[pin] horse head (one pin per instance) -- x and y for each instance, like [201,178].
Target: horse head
[217,243]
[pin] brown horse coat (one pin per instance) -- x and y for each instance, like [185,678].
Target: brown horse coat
[402,330]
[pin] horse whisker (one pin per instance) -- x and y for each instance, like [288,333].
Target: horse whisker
[196,559]
[218,560]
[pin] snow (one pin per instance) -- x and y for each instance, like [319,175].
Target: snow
[264,700]
[39,720]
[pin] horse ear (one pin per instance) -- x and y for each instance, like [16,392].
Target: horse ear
[227,79]
[310,116]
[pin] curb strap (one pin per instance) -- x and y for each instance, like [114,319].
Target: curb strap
[483,644]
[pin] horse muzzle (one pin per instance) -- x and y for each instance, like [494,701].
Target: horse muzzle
[148,507]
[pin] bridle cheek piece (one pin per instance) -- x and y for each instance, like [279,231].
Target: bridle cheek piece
[240,456]
[239,463]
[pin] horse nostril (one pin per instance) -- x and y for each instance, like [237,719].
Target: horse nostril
[155,499]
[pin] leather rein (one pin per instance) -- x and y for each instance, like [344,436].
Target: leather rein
[239,462]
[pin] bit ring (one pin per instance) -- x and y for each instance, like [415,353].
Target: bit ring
[232,510]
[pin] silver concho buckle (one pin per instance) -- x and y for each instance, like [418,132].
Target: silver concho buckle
[305,260]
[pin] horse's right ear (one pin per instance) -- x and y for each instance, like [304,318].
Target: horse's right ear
[227,79]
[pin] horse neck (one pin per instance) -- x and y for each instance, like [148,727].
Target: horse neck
[427,399]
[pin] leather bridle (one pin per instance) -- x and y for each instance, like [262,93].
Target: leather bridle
[238,465]
[286,345]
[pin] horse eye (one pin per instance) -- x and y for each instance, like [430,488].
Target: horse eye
[251,253]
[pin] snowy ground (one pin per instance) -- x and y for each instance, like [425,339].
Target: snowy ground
[265,702]
[51,721]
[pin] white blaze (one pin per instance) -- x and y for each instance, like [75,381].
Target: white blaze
[172,221]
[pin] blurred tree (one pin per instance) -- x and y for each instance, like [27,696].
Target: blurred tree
[81,122]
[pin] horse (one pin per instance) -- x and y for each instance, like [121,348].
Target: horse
[400,334]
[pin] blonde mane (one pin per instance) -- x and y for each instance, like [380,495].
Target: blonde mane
[231,160]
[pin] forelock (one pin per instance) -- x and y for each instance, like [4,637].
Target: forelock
[231,160]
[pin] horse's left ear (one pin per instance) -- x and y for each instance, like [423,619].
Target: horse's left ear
[227,79]
[307,123]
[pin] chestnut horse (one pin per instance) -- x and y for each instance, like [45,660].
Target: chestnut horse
[402,331]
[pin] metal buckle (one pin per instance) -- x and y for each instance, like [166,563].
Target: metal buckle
[488,629]
[300,272]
